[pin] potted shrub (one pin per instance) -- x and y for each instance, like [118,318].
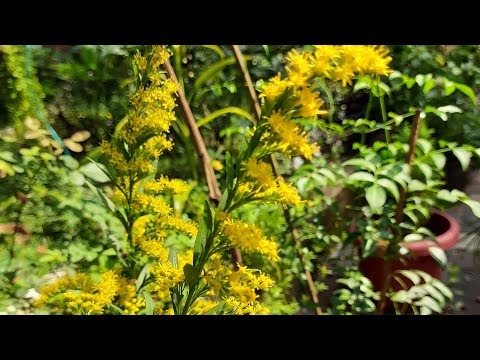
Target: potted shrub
[398,187]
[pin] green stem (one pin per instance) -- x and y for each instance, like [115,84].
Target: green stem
[369,106]
[384,117]
[363,138]
[331,103]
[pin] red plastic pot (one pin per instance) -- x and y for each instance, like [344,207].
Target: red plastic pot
[448,231]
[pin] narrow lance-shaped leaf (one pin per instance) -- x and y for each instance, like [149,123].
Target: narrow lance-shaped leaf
[228,110]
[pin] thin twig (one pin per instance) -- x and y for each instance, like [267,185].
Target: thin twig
[213,189]
[411,151]
[254,103]
[400,207]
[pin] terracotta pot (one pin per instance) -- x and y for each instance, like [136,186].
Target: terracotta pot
[448,231]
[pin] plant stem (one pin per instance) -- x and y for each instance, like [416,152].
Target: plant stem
[384,117]
[273,162]
[369,106]
[411,151]
[400,207]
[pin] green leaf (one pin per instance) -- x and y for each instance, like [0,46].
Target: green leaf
[361,176]
[321,180]
[449,87]
[200,241]
[376,196]
[429,84]
[474,205]
[426,277]
[368,247]
[363,83]
[416,185]
[149,304]
[213,71]
[447,196]
[467,90]
[420,79]
[362,163]
[144,274]
[412,275]
[69,162]
[223,200]
[439,159]
[109,252]
[425,145]
[106,201]
[267,50]
[427,232]
[172,256]
[77,178]
[413,238]
[191,276]
[450,109]
[384,87]
[228,110]
[464,156]
[116,308]
[439,255]
[430,303]
[412,216]
[229,169]
[401,296]
[426,170]
[443,288]
[425,311]
[390,186]
[434,293]
[95,172]
[216,309]
[328,173]
[217,49]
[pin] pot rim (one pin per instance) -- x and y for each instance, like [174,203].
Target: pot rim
[445,241]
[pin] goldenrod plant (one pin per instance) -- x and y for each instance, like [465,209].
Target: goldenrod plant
[167,280]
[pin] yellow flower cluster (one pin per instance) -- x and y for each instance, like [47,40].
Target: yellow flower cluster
[336,62]
[203,306]
[261,172]
[266,187]
[243,283]
[60,285]
[178,224]
[145,127]
[288,138]
[149,203]
[166,275]
[81,295]
[236,288]
[249,238]
[128,299]
[94,297]
[175,186]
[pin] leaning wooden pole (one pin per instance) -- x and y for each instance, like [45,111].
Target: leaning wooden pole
[213,189]
[255,105]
